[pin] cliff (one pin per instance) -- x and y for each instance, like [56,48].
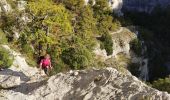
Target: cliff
[22,82]
[144,5]
[93,84]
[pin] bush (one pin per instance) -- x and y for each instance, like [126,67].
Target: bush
[162,84]
[146,34]
[26,48]
[3,38]
[134,69]
[5,58]
[28,51]
[136,46]
[107,43]
[57,63]
[77,58]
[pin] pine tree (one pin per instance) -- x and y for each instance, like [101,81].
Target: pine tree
[49,23]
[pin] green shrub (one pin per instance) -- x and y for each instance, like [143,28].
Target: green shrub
[12,3]
[162,84]
[134,68]
[57,63]
[146,35]
[28,51]
[136,46]
[77,58]
[5,58]
[3,38]
[26,48]
[107,43]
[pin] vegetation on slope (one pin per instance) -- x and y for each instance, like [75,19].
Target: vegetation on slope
[154,29]
[162,84]
[5,58]
[66,29]
[155,32]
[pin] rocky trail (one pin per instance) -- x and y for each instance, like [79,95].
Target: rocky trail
[118,31]
[20,75]
[93,84]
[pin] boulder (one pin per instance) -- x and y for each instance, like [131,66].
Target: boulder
[4,6]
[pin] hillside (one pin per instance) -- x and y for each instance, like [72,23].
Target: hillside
[27,83]
[98,49]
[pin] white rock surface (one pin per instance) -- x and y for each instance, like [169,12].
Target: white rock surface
[21,4]
[9,81]
[115,5]
[94,84]
[20,64]
[121,40]
[4,6]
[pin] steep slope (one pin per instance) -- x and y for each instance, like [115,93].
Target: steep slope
[121,39]
[22,82]
[94,84]
[144,5]
[19,73]
[26,83]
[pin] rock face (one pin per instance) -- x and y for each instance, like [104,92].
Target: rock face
[136,5]
[103,84]
[144,5]
[9,81]
[19,65]
[4,6]
[121,40]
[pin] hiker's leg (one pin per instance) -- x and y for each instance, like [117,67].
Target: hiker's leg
[45,70]
[48,72]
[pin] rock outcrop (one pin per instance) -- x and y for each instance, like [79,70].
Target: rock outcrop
[4,6]
[22,82]
[121,40]
[136,5]
[94,84]
[9,81]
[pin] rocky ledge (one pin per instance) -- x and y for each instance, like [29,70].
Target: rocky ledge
[92,84]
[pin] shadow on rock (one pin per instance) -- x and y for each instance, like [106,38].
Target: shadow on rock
[90,82]
[27,88]
[22,76]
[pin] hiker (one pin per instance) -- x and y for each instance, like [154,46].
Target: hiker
[45,64]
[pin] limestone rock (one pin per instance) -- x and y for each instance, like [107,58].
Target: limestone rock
[92,84]
[21,4]
[8,81]
[20,64]
[4,6]
[121,40]
[103,84]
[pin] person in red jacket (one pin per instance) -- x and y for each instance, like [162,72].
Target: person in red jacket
[45,64]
